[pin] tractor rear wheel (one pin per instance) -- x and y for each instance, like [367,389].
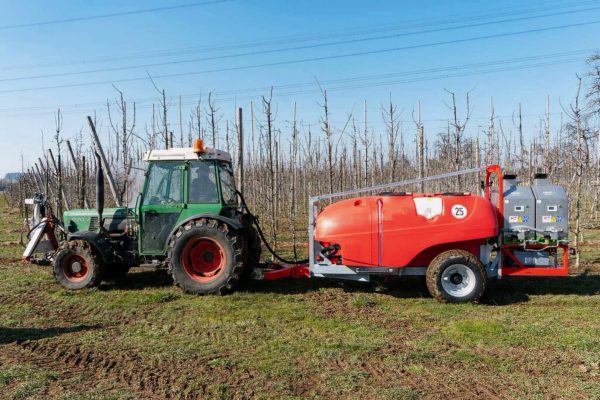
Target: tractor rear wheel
[77,267]
[456,276]
[205,256]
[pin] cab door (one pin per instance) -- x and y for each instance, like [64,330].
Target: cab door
[161,205]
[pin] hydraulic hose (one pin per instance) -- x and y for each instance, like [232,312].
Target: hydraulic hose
[262,236]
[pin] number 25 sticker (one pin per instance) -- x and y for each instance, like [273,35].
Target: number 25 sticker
[459,211]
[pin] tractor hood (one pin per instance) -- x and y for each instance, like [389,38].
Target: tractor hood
[115,219]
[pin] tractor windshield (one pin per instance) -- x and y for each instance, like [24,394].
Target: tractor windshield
[227,183]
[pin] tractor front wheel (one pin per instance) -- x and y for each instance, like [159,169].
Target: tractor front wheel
[456,276]
[205,256]
[77,267]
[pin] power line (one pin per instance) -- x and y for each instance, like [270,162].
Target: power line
[312,37]
[304,60]
[111,15]
[376,80]
[304,47]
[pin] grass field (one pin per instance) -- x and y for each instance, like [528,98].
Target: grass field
[143,338]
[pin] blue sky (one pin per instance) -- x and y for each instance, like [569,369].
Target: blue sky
[515,51]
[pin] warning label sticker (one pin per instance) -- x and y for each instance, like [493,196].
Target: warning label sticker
[515,218]
[547,219]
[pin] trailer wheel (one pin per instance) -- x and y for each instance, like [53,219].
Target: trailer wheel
[205,256]
[77,267]
[456,276]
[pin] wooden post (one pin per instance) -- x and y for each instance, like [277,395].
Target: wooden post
[240,152]
[82,181]
[100,151]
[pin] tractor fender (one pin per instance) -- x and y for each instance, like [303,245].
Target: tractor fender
[235,224]
[98,242]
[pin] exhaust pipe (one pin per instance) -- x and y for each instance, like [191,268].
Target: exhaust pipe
[100,193]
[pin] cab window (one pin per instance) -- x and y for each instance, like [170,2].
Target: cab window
[227,183]
[203,182]
[164,184]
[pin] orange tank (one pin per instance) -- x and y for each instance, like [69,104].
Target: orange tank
[400,230]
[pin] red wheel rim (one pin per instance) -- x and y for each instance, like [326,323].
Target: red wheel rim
[203,259]
[75,268]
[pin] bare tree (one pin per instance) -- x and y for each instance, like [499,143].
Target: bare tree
[576,132]
[167,136]
[518,123]
[391,117]
[58,165]
[268,111]
[366,142]
[593,96]
[458,128]
[326,129]
[213,120]
[547,159]
[420,147]
[124,134]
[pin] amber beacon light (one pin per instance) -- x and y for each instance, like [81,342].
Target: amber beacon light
[198,146]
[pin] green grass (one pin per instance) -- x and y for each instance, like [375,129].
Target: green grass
[143,338]
[24,381]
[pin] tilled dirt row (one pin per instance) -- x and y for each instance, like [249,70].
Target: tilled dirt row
[173,378]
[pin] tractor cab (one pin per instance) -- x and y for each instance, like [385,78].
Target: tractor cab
[182,183]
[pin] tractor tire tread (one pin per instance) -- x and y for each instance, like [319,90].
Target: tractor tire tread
[232,237]
[98,271]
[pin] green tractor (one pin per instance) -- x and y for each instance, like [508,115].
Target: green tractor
[187,217]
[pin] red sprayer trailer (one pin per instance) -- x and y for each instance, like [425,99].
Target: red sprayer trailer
[457,240]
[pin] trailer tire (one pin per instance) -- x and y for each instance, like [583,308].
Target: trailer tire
[77,266]
[456,276]
[205,257]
